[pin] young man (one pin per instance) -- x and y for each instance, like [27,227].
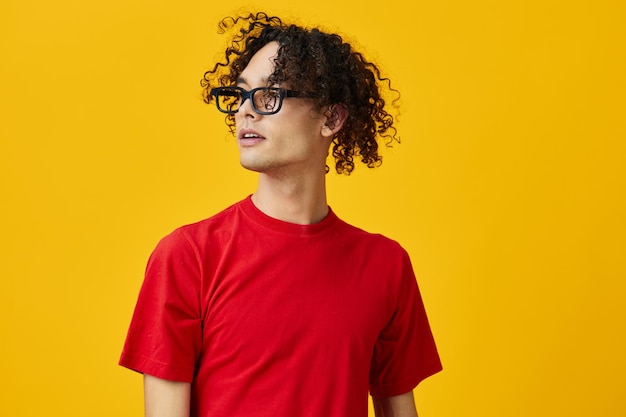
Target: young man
[275,307]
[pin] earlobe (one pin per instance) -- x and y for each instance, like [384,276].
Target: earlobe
[336,116]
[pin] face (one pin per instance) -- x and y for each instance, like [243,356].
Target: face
[290,142]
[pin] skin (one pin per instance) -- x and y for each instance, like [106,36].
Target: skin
[288,151]
[291,155]
[399,406]
[164,398]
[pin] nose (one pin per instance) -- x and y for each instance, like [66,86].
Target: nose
[246,110]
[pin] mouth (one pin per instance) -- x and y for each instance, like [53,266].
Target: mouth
[249,137]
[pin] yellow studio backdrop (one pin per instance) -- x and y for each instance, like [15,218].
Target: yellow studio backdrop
[508,189]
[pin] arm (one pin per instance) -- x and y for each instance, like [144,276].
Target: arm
[166,398]
[399,406]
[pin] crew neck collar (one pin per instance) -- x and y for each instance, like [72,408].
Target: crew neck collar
[284,227]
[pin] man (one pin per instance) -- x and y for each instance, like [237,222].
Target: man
[276,307]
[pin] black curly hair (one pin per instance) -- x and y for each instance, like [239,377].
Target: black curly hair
[311,60]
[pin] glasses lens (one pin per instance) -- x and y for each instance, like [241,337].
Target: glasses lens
[228,100]
[267,100]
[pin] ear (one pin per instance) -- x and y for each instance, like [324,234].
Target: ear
[336,115]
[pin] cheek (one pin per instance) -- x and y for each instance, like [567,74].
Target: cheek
[298,129]
[309,123]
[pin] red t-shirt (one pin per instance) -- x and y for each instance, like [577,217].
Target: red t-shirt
[268,318]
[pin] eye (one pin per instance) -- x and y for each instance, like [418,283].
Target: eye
[229,99]
[267,99]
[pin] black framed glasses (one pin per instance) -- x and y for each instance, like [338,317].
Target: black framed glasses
[264,100]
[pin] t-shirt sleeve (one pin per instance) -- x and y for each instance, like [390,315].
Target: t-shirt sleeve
[405,353]
[165,337]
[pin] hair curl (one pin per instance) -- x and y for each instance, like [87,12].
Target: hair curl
[311,60]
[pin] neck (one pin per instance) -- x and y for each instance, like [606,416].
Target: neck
[294,200]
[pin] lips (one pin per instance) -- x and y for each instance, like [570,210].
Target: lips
[249,137]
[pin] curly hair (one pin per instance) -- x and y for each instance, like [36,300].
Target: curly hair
[311,60]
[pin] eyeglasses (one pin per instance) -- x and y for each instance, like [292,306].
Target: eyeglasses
[264,100]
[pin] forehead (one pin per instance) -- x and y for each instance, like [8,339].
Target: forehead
[260,67]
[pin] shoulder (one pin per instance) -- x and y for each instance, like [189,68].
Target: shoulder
[193,236]
[376,250]
[222,221]
[371,240]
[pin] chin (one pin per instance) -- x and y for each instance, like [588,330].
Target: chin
[255,166]
[252,168]
[266,167]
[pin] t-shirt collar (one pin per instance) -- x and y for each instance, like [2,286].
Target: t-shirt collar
[284,227]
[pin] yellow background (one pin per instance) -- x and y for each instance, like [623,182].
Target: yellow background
[508,189]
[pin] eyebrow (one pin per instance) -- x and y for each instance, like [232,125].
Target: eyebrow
[242,80]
